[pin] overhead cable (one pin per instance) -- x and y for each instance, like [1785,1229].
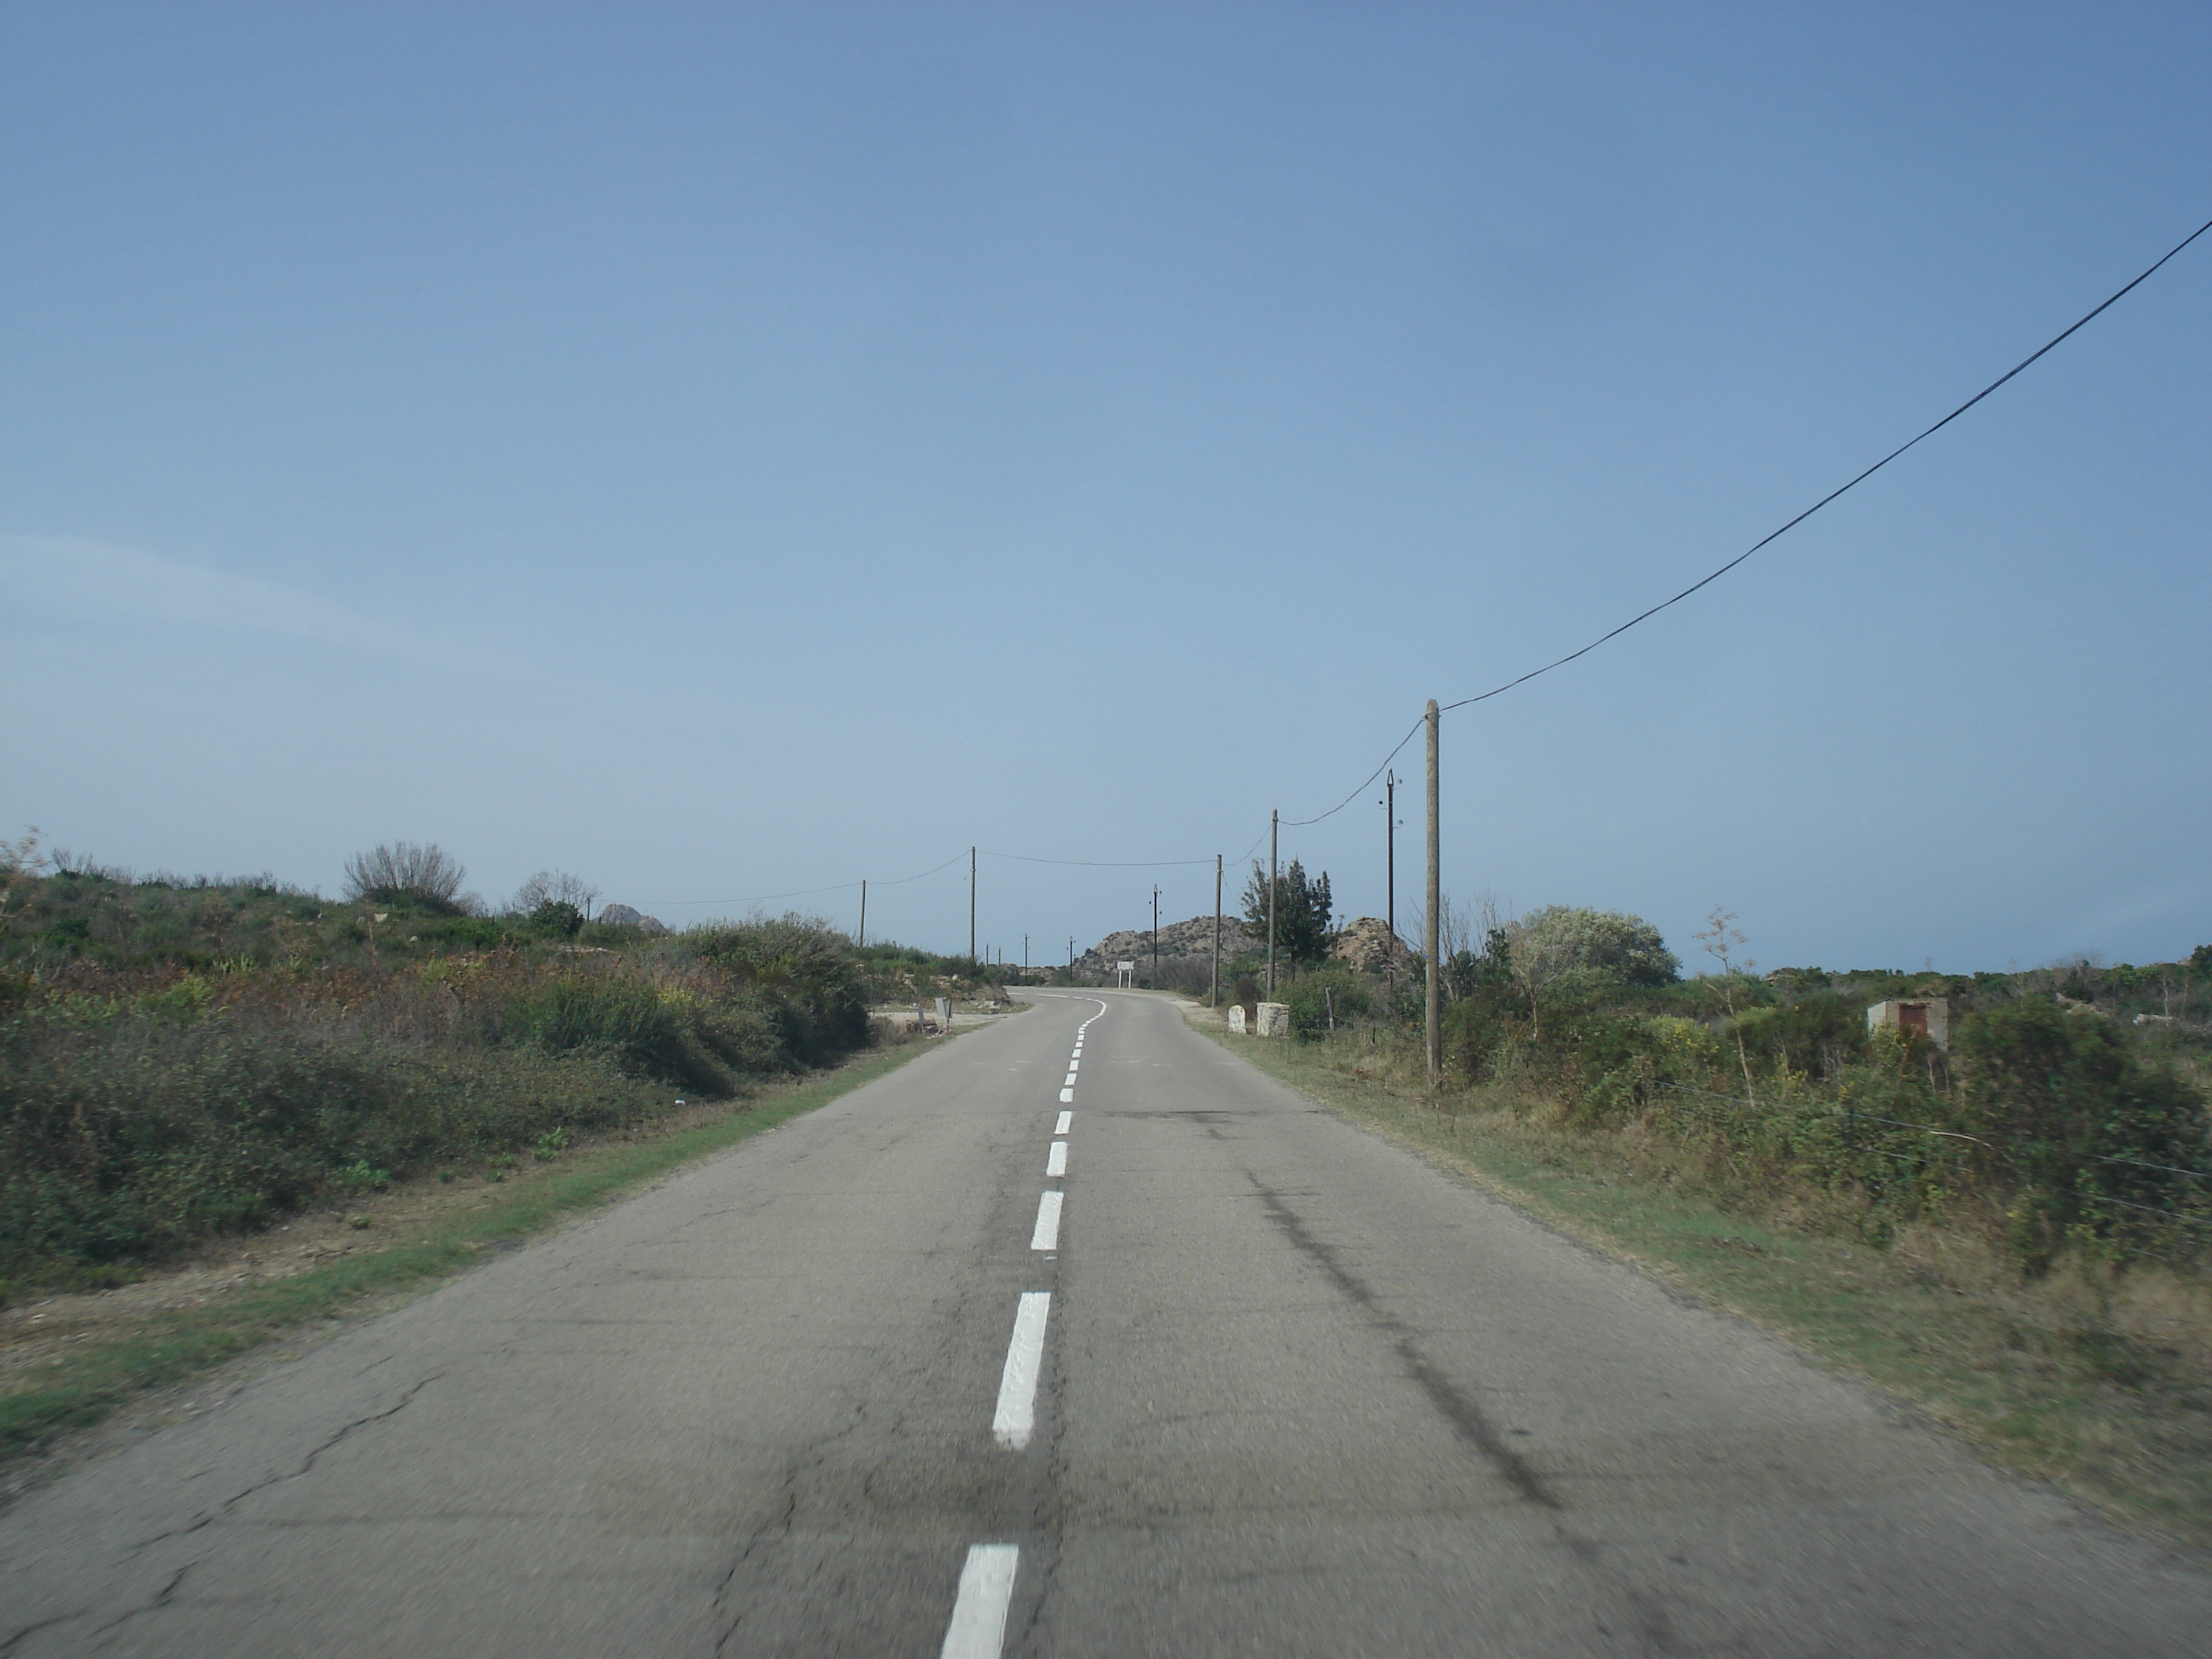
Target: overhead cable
[2040,351]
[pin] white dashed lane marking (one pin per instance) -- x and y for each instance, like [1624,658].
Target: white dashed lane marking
[978,1630]
[1066,1119]
[1055,1161]
[1014,1421]
[1046,1235]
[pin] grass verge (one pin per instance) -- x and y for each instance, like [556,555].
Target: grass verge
[172,1345]
[2121,1423]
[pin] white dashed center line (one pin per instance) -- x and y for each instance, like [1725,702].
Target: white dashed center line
[978,1630]
[1055,1161]
[1047,1234]
[1066,1120]
[1016,1417]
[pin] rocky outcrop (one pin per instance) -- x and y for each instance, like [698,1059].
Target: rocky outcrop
[1366,947]
[621,915]
[1179,941]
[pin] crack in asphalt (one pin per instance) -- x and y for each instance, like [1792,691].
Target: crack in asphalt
[162,1597]
[307,1466]
[777,1529]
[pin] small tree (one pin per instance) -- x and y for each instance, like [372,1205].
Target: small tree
[20,861]
[1303,913]
[554,887]
[1721,941]
[400,871]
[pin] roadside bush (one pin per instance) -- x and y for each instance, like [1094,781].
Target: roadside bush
[128,1132]
[645,1030]
[2075,1126]
[1815,1037]
[1326,997]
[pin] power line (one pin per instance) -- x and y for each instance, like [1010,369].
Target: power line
[1300,824]
[758,898]
[1101,864]
[803,892]
[1772,535]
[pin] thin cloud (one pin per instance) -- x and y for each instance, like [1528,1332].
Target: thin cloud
[102,583]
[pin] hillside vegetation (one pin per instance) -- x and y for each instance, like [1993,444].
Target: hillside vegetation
[2065,1119]
[182,1058]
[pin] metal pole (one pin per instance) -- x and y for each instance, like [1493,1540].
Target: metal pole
[1214,996]
[971,904]
[1156,936]
[1274,824]
[1435,919]
[863,938]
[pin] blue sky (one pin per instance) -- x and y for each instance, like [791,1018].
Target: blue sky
[724,451]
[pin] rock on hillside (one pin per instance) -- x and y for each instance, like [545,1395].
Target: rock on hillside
[1191,941]
[1366,946]
[623,915]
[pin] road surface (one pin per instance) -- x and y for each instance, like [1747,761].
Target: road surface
[1116,1350]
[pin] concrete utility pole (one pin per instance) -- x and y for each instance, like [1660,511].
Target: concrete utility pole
[971,904]
[1436,918]
[1026,953]
[1274,824]
[1071,955]
[863,938]
[1214,997]
[1156,936]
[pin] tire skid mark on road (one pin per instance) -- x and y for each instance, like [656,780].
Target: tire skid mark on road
[1473,1425]
[1464,1414]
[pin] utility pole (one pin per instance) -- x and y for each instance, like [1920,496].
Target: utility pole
[1274,824]
[1071,955]
[1214,998]
[1156,936]
[1435,919]
[1391,857]
[971,904]
[863,938]
[1026,953]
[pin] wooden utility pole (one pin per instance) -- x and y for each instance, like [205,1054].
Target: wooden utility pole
[1275,824]
[1156,936]
[863,938]
[1214,997]
[1390,859]
[1435,919]
[971,904]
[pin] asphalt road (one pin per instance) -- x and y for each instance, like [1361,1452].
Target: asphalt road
[1273,1387]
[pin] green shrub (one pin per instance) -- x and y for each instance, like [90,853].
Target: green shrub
[1326,997]
[645,1030]
[1815,1037]
[2076,1126]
